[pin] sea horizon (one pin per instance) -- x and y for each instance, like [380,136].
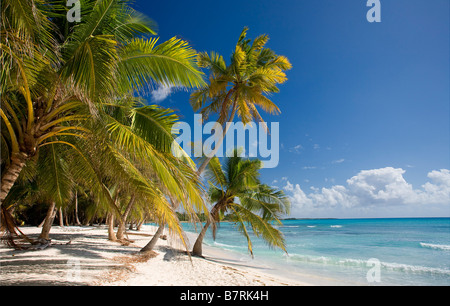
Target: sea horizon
[350,218]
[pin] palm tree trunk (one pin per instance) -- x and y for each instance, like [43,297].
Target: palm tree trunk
[61,218]
[225,130]
[110,221]
[197,249]
[213,217]
[77,221]
[138,226]
[152,243]
[203,165]
[66,218]
[51,213]
[121,228]
[11,173]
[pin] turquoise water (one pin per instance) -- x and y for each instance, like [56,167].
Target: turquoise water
[409,251]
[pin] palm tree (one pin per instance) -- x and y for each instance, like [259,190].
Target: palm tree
[47,81]
[239,88]
[74,85]
[158,174]
[236,190]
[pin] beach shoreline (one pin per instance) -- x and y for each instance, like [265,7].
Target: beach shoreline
[84,256]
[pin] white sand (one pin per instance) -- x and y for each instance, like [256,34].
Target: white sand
[90,259]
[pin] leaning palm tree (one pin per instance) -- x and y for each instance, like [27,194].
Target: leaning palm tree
[148,134]
[56,76]
[70,85]
[45,178]
[239,88]
[236,190]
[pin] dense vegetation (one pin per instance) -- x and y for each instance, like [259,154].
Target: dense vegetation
[81,146]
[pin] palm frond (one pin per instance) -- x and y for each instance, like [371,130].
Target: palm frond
[213,61]
[143,63]
[177,176]
[91,67]
[215,174]
[154,124]
[266,201]
[260,227]
[53,174]
[130,23]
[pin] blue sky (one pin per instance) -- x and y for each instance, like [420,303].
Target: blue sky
[365,112]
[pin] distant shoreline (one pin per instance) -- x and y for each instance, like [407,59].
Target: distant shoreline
[312,219]
[288,219]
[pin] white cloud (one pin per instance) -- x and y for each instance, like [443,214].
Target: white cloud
[385,186]
[338,161]
[369,190]
[439,190]
[297,149]
[161,93]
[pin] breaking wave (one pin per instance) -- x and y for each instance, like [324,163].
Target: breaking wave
[435,246]
[364,264]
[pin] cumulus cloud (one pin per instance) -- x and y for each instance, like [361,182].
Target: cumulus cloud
[439,189]
[380,186]
[384,187]
[161,93]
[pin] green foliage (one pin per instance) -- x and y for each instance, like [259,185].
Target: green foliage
[240,197]
[68,102]
[253,73]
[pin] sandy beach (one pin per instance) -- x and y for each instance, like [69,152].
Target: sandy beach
[84,256]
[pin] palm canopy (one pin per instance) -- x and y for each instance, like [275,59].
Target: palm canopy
[243,86]
[236,190]
[253,73]
[74,85]
[56,75]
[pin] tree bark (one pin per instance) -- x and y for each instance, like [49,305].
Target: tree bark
[61,217]
[51,213]
[110,221]
[138,226]
[77,221]
[11,173]
[152,243]
[213,217]
[121,228]
[197,249]
[225,130]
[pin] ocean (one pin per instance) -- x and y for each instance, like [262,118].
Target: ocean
[397,251]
